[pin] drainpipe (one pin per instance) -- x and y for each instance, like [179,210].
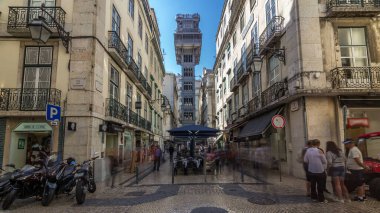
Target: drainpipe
[305,130]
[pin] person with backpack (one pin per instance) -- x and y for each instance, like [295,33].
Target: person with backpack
[336,169]
[157,158]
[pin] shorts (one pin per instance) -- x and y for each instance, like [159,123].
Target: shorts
[358,177]
[338,171]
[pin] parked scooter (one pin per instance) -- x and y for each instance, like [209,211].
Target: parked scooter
[5,186]
[59,180]
[84,179]
[28,182]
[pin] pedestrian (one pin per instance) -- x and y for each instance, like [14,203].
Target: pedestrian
[356,167]
[157,158]
[318,144]
[171,152]
[336,169]
[305,166]
[316,164]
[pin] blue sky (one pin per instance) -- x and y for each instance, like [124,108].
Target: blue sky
[209,11]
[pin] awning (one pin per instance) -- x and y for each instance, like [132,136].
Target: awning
[33,127]
[257,126]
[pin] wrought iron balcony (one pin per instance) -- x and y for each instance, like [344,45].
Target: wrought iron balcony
[19,17]
[243,111]
[355,77]
[117,49]
[17,99]
[234,115]
[117,110]
[133,67]
[352,8]
[271,33]
[273,93]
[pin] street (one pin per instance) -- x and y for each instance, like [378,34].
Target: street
[222,193]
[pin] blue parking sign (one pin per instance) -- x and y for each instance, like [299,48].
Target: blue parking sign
[53,112]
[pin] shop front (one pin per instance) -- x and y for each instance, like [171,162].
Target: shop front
[114,142]
[27,140]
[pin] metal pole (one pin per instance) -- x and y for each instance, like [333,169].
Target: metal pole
[137,174]
[173,172]
[279,157]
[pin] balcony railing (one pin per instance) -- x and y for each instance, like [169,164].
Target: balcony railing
[243,110]
[349,8]
[13,99]
[272,31]
[115,42]
[234,115]
[233,84]
[273,93]
[19,17]
[117,110]
[355,77]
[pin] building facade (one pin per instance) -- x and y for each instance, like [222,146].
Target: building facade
[320,79]
[207,109]
[108,79]
[188,43]
[171,113]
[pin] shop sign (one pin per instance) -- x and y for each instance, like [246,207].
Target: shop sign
[357,122]
[114,128]
[33,127]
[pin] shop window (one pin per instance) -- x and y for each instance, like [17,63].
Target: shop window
[115,21]
[114,84]
[353,47]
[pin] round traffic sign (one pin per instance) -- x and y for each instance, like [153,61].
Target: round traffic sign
[278,121]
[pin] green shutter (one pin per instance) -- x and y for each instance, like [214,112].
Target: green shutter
[2,139]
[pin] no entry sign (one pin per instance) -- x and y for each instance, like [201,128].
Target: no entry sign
[278,121]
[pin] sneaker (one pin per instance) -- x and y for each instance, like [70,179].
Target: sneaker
[359,199]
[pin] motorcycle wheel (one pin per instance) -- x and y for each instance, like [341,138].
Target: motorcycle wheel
[9,199]
[47,196]
[91,186]
[80,194]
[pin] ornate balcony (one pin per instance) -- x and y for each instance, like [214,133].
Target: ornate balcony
[117,49]
[352,8]
[119,111]
[243,111]
[271,33]
[28,99]
[19,18]
[355,78]
[273,93]
[254,104]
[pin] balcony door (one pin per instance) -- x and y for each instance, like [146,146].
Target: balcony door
[270,10]
[274,70]
[38,3]
[37,76]
[244,57]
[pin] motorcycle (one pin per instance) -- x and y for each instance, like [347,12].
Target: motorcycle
[5,185]
[84,179]
[60,179]
[27,182]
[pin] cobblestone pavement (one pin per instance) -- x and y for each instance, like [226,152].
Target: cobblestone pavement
[213,196]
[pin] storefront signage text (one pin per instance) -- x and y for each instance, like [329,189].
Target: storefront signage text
[357,122]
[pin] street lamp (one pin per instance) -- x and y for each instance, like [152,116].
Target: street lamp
[257,63]
[40,30]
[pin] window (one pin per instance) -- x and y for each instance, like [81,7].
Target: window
[353,47]
[146,110]
[188,101]
[140,27]
[146,44]
[270,10]
[242,22]
[188,86]
[129,96]
[245,95]
[256,85]
[224,87]
[131,8]
[115,21]
[188,58]
[188,116]
[274,70]
[229,107]
[187,72]
[255,37]
[139,61]
[130,46]
[228,51]
[37,75]
[146,73]
[38,3]
[236,101]
[252,3]
[114,84]
[138,100]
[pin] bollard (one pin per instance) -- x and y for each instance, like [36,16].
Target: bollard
[137,175]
